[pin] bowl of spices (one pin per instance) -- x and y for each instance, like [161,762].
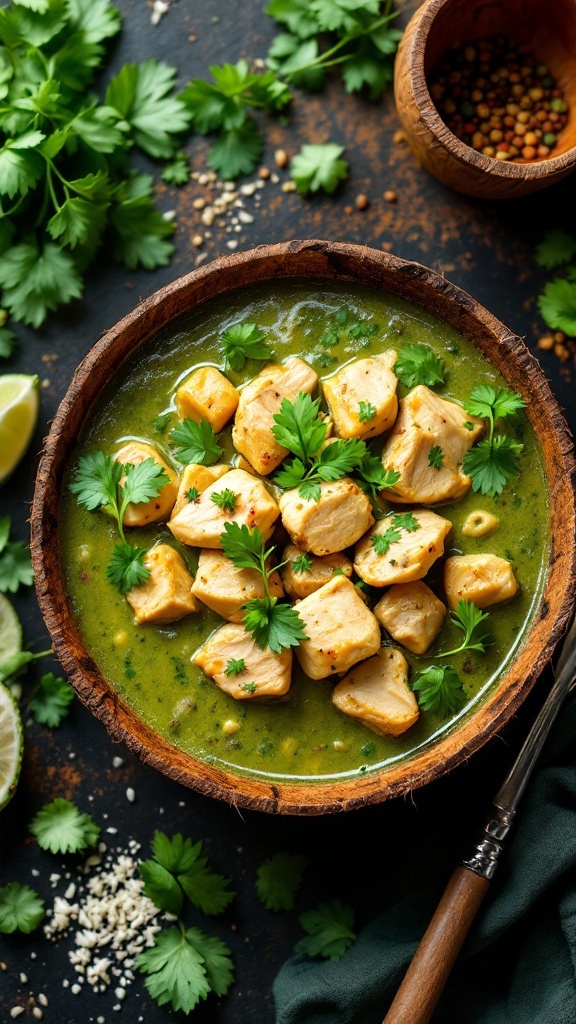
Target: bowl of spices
[486,93]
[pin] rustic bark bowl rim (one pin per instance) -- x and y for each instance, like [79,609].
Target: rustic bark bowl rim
[322,261]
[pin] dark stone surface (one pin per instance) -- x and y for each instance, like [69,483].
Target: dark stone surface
[486,249]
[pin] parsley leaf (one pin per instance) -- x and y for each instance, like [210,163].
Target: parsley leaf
[439,689]
[179,865]
[303,563]
[126,567]
[318,166]
[419,364]
[236,151]
[241,342]
[140,93]
[372,477]
[174,971]
[405,521]
[491,465]
[468,618]
[436,457]
[204,888]
[15,566]
[382,541]
[235,666]
[226,500]
[143,482]
[177,172]
[161,887]
[366,412]
[298,427]
[196,442]
[96,480]
[557,304]
[217,960]
[61,828]
[493,403]
[556,248]
[51,701]
[176,854]
[329,930]
[279,878]
[21,909]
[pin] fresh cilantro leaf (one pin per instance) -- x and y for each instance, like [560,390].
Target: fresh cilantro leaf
[329,929]
[96,480]
[250,687]
[468,425]
[241,342]
[298,427]
[226,500]
[203,887]
[468,619]
[405,521]
[7,342]
[419,364]
[436,457]
[192,494]
[14,665]
[21,909]
[176,854]
[318,166]
[174,970]
[493,403]
[333,15]
[273,625]
[140,233]
[35,281]
[177,172]
[244,547]
[161,887]
[296,14]
[235,666]
[61,828]
[556,248]
[126,567]
[143,482]
[291,475]
[78,222]
[368,749]
[217,960]
[491,464]
[366,68]
[366,412]
[237,150]
[51,701]
[279,878]
[295,60]
[20,166]
[196,442]
[372,477]
[382,541]
[557,304]
[96,19]
[15,567]
[439,690]
[310,490]
[5,527]
[141,94]
[302,564]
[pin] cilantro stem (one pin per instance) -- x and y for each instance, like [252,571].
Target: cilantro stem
[322,57]
[50,183]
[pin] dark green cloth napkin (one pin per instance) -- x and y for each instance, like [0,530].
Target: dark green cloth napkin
[519,963]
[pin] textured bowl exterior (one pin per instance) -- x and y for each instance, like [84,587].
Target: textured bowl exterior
[312,260]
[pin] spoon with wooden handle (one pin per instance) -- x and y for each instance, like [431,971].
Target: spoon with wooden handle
[428,973]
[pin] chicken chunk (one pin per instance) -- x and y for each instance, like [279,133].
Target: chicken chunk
[201,522]
[207,395]
[341,630]
[196,477]
[427,422]
[302,582]
[376,693]
[264,674]
[225,588]
[166,596]
[159,508]
[406,559]
[370,381]
[259,401]
[331,524]
[412,615]
[484,579]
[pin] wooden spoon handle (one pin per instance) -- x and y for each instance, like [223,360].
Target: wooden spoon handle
[426,976]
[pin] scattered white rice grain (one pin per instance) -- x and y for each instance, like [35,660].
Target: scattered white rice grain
[42,999]
[130,795]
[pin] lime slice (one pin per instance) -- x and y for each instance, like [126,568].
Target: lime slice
[10,631]
[19,403]
[11,745]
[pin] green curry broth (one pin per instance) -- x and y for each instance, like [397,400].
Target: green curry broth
[305,737]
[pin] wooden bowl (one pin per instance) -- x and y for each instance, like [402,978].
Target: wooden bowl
[548,29]
[321,261]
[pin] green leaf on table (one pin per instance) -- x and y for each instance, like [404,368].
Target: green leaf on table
[161,887]
[330,930]
[141,94]
[20,166]
[217,960]
[556,248]
[419,364]
[15,567]
[51,701]
[174,970]
[35,281]
[178,171]
[61,828]
[296,14]
[557,304]
[319,166]
[294,59]
[335,15]
[279,878]
[204,888]
[196,442]
[176,854]
[21,909]
[140,233]
[236,150]
[78,222]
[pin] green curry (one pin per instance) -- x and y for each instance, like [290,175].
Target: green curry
[304,738]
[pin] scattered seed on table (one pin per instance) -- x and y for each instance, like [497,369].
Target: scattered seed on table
[362,202]
[130,795]
[390,196]
[281,158]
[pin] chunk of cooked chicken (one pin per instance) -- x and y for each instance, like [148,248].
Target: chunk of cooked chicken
[376,693]
[341,630]
[264,674]
[201,522]
[198,478]
[406,559]
[225,588]
[411,614]
[166,596]
[484,579]
[207,395]
[370,381]
[159,508]
[331,524]
[259,401]
[426,421]
[301,582]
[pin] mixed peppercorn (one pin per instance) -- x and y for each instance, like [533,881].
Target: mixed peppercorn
[497,98]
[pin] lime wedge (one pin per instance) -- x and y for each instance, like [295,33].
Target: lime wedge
[10,631]
[11,745]
[19,404]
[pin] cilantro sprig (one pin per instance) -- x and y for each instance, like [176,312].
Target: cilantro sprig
[279,878]
[270,623]
[97,484]
[196,442]
[495,459]
[51,701]
[241,342]
[318,166]
[468,618]
[21,909]
[419,364]
[330,930]
[180,867]
[400,521]
[15,565]
[226,499]
[61,828]
[439,689]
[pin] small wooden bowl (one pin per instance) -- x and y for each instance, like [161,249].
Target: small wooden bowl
[312,260]
[547,29]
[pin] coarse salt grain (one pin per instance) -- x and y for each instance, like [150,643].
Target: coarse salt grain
[130,795]
[117,762]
